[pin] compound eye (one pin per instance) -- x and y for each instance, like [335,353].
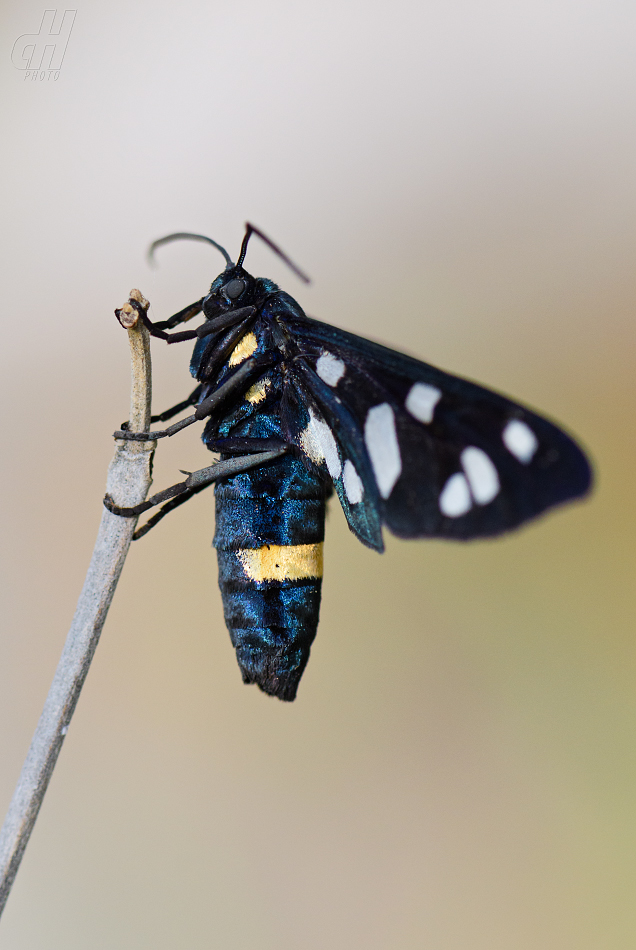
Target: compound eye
[234,288]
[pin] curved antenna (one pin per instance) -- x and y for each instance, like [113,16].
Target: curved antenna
[186,235]
[249,230]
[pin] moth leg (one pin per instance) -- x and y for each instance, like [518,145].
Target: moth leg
[181,492]
[239,446]
[236,382]
[212,325]
[158,329]
[218,351]
[166,509]
[180,406]
[159,434]
[173,410]
[223,322]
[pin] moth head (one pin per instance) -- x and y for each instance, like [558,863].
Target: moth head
[236,288]
[233,288]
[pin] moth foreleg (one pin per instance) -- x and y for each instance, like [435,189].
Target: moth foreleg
[181,317]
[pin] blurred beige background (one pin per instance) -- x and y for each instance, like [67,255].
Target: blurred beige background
[459,768]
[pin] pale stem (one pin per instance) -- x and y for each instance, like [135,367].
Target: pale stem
[128,483]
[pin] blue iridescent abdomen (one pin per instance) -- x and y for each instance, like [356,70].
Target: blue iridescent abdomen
[270,525]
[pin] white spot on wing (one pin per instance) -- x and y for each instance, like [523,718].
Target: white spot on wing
[330,368]
[520,440]
[318,442]
[421,401]
[381,441]
[353,487]
[481,474]
[455,497]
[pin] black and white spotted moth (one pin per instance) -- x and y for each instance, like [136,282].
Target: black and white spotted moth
[297,408]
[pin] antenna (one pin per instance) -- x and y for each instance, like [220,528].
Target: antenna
[249,230]
[186,235]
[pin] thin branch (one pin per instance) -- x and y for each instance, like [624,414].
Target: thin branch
[128,483]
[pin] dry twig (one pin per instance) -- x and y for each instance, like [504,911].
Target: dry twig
[128,483]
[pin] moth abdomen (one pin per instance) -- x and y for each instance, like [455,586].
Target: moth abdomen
[269,549]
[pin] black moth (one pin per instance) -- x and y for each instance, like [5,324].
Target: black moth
[297,408]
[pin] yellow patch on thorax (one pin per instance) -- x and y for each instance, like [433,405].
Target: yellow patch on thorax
[258,391]
[243,349]
[282,562]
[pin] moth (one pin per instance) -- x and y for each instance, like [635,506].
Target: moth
[297,409]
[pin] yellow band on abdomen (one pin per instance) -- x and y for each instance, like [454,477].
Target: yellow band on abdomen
[282,562]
